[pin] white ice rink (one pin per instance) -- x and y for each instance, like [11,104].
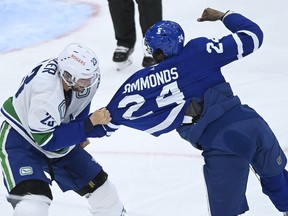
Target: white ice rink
[154,176]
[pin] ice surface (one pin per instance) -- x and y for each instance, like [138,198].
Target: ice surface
[154,176]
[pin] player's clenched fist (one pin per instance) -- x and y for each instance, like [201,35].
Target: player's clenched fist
[210,14]
[101,116]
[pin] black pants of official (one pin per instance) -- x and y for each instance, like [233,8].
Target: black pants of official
[123,18]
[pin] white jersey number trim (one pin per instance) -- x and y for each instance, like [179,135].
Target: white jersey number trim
[174,96]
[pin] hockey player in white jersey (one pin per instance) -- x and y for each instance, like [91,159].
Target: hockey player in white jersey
[44,125]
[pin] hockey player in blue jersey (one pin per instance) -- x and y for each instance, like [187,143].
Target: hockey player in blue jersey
[46,123]
[187,91]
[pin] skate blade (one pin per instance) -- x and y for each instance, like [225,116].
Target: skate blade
[122,65]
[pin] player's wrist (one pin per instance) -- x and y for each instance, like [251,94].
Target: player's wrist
[226,14]
[88,125]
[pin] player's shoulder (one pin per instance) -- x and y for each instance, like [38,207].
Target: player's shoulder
[195,44]
[50,68]
[47,88]
[196,50]
[48,76]
[48,102]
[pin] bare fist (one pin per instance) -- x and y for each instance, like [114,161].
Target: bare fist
[210,14]
[101,116]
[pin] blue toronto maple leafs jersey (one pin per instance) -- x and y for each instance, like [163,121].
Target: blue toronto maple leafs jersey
[154,99]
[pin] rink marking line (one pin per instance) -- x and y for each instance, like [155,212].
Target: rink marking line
[150,154]
[155,154]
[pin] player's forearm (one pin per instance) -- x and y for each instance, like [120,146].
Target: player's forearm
[65,135]
[73,133]
[97,132]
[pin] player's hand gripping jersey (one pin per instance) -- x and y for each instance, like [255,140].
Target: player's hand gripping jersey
[154,99]
[38,108]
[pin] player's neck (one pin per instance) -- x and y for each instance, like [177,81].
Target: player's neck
[65,86]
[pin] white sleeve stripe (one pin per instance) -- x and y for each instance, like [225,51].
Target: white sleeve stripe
[168,121]
[113,126]
[49,130]
[254,38]
[104,128]
[45,143]
[239,45]
[109,133]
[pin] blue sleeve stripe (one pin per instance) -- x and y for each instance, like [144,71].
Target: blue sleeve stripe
[254,38]
[239,45]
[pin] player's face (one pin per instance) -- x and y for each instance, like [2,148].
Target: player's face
[82,84]
[157,55]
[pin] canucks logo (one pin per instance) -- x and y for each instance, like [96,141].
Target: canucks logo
[27,170]
[83,94]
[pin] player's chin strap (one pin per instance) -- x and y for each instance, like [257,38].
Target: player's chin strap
[193,112]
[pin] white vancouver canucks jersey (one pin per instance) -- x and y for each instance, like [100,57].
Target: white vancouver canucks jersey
[38,106]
